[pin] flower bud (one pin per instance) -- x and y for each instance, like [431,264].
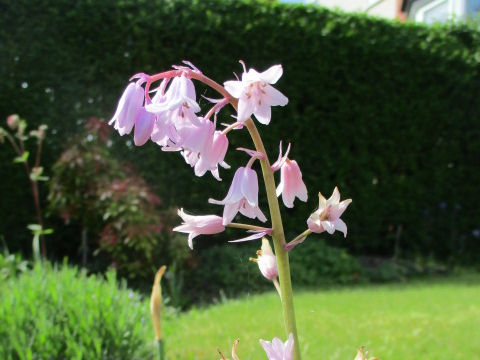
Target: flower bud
[3,134]
[42,130]
[156,303]
[267,262]
[13,121]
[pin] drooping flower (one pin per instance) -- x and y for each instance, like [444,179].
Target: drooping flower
[213,155]
[242,196]
[277,350]
[255,94]
[267,262]
[199,225]
[128,108]
[327,217]
[291,183]
[143,127]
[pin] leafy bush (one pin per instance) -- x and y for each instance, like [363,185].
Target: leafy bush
[111,203]
[60,313]
[315,263]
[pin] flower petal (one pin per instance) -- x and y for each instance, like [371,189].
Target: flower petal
[341,226]
[263,114]
[272,74]
[235,88]
[273,97]
[245,109]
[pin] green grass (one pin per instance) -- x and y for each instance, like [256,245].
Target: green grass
[429,321]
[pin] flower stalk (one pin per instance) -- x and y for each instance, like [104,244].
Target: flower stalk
[276,218]
[278,241]
[170,120]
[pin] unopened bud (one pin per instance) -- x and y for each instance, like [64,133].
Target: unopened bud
[267,262]
[13,121]
[42,131]
[156,303]
[3,134]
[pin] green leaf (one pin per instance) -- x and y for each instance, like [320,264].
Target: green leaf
[23,158]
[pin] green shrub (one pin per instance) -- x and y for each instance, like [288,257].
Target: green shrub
[314,263]
[61,313]
[116,209]
[11,265]
[225,269]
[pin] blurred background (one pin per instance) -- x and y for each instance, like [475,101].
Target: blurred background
[385,107]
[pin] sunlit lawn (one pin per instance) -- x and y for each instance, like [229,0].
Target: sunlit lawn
[436,321]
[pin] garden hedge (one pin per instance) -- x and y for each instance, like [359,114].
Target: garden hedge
[387,111]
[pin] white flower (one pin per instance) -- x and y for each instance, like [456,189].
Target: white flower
[255,95]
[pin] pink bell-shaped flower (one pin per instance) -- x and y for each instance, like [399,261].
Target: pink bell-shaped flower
[255,94]
[242,196]
[128,108]
[327,217]
[213,155]
[291,183]
[143,127]
[277,350]
[199,225]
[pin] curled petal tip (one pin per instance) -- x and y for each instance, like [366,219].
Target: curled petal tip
[141,76]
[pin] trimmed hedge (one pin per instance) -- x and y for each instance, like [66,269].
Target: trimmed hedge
[387,111]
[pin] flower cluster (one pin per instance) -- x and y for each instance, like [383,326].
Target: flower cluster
[170,117]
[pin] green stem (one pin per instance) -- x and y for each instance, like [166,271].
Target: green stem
[278,240]
[161,350]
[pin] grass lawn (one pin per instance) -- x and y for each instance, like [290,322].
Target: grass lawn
[429,321]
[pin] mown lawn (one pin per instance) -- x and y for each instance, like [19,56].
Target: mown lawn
[428,321]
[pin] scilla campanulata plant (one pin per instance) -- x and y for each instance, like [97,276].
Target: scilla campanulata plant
[163,108]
